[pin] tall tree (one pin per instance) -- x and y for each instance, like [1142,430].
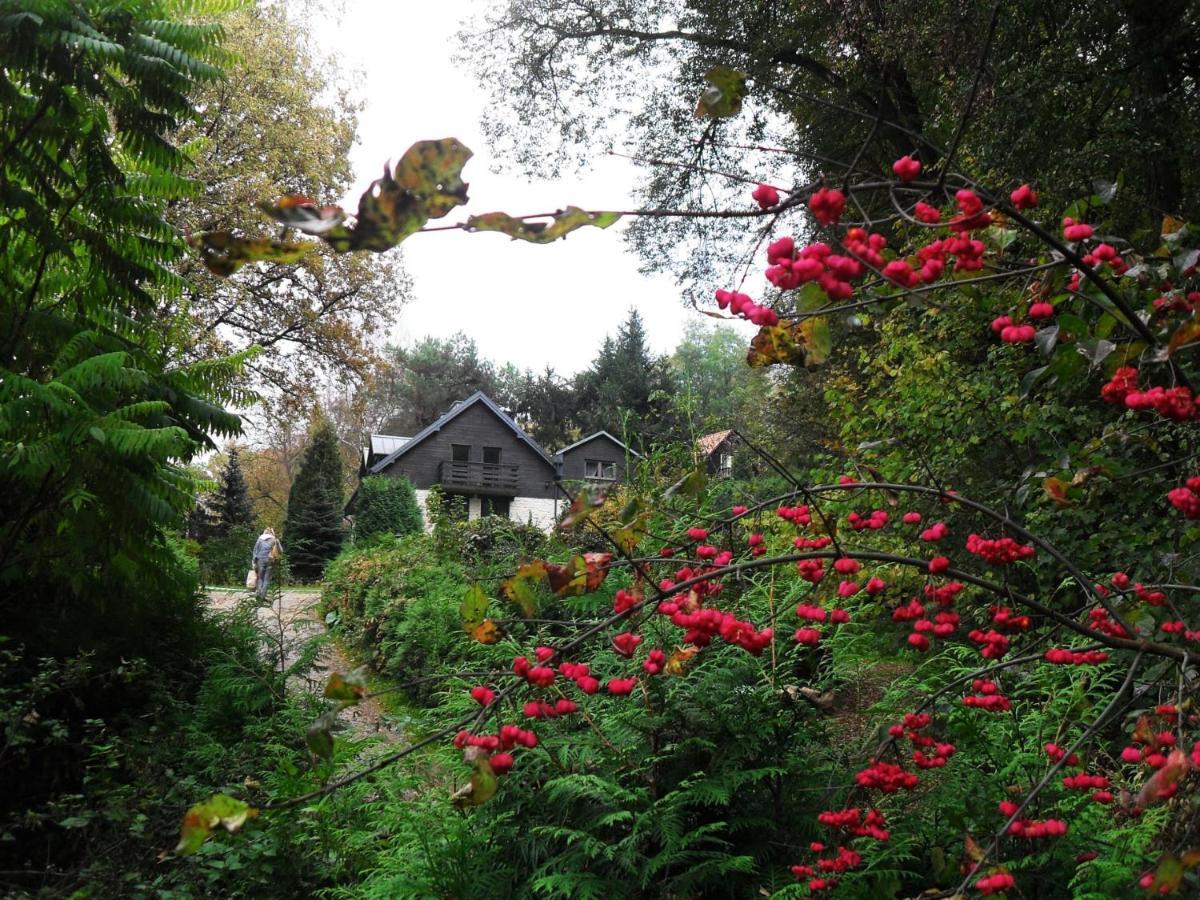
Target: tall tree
[714,387]
[313,532]
[627,388]
[96,426]
[544,404]
[416,384]
[282,120]
[232,502]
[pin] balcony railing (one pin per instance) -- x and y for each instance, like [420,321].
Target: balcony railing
[487,478]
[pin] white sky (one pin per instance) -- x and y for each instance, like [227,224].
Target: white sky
[522,303]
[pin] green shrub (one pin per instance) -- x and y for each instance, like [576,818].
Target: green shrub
[386,505]
[225,559]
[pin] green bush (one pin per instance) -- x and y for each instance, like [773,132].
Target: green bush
[386,505]
[225,559]
[398,602]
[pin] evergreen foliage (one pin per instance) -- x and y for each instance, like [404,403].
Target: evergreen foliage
[313,531]
[95,426]
[234,509]
[386,506]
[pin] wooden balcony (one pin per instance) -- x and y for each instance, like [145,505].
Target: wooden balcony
[480,478]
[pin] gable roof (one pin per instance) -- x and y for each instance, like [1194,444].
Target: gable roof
[592,437]
[455,411]
[710,442]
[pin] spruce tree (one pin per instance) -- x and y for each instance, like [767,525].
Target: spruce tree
[313,530]
[233,506]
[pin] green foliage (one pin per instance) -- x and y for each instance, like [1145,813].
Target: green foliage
[225,559]
[313,531]
[386,505]
[232,502]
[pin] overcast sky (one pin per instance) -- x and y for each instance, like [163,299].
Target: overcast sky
[527,304]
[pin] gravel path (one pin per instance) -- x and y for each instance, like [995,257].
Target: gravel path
[291,623]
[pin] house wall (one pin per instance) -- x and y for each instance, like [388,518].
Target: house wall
[541,511]
[477,427]
[599,447]
[713,462]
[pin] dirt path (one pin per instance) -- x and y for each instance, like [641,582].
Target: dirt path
[291,623]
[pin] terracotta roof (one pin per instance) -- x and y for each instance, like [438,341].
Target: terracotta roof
[710,442]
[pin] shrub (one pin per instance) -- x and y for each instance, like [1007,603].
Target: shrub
[386,506]
[225,559]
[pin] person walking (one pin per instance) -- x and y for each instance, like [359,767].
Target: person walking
[266,549]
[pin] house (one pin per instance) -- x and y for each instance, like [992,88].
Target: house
[716,451]
[478,453]
[596,459]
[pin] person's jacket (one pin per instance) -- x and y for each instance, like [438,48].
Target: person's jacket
[262,548]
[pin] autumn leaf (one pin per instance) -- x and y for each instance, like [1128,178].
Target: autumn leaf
[676,662]
[778,344]
[224,252]
[304,214]
[487,632]
[319,735]
[690,485]
[1162,783]
[817,339]
[560,224]
[1056,489]
[347,688]
[723,97]
[520,587]
[473,608]
[581,574]
[1186,333]
[589,500]
[483,783]
[1168,874]
[426,184]
[218,810]
[973,850]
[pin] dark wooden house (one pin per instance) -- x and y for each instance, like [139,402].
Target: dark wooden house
[596,459]
[478,453]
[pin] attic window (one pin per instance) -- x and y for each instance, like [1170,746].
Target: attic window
[600,469]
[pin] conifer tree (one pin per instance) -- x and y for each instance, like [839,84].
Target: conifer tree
[233,506]
[313,531]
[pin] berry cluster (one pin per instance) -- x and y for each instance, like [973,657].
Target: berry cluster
[1065,657]
[987,697]
[1186,499]
[1000,551]
[741,305]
